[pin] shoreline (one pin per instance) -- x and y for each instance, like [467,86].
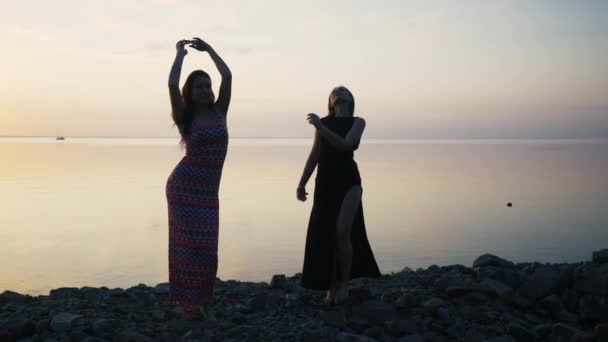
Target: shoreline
[493,299]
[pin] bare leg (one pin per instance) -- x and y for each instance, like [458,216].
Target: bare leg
[344,248]
[331,293]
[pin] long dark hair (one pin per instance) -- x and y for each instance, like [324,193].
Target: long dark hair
[330,107]
[188,116]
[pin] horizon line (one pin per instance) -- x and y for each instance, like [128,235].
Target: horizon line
[308,137]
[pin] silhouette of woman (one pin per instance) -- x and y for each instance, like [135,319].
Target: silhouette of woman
[192,188]
[337,248]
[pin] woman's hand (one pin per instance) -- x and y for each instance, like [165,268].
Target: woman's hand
[314,120]
[199,44]
[301,193]
[181,47]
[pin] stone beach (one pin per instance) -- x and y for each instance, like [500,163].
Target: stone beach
[492,300]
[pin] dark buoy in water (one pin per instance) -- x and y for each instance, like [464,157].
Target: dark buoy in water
[509,204]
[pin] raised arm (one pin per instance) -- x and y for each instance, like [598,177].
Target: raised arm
[349,143]
[311,164]
[223,99]
[177,103]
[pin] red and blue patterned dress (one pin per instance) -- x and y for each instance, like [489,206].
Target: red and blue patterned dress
[192,198]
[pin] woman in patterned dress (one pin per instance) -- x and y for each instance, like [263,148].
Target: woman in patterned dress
[192,187]
[337,248]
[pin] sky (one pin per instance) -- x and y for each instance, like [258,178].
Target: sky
[417,69]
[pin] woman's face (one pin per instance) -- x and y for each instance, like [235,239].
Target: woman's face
[340,95]
[202,94]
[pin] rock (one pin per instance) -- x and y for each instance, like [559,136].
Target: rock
[243,332]
[552,304]
[397,328]
[434,303]
[138,287]
[521,332]
[500,289]
[534,319]
[179,327]
[450,279]
[42,326]
[600,257]
[433,336]
[407,300]
[358,295]
[564,331]
[433,268]
[333,318]
[593,308]
[157,314]
[258,303]
[94,339]
[375,311]
[273,302]
[108,327]
[131,336]
[311,336]
[412,338]
[279,281]
[601,330]
[570,299]
[6,336]
[90,293]
[78,334]
[491,260]
[118,292]
[66,292]
[358,325]
[345,337]
[465,271]
[20,326]
[473,335]
[511,277]
[566,316]
[373,332]
[503,338]
[543,330]
[443,314]
[474,298]
[162,289]
[542,283]
[12,297]
[594,281]
[63,322]
[488,272]
[194,335]
[583,337]
[521,301]
[457,291]
[454,331]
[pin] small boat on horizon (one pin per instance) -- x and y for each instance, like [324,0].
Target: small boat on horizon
[59,136]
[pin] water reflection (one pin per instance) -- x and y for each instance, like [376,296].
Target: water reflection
[86,212]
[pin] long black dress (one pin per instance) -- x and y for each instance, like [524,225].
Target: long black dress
[337,172]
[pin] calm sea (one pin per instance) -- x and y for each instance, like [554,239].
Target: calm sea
[88,211]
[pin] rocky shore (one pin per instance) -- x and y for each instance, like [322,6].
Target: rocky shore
[493,300]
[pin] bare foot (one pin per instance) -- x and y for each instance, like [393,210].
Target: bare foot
[330,297]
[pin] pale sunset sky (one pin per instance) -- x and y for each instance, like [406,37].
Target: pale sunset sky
[418,69]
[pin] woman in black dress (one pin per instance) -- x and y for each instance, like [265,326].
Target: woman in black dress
[337,248]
